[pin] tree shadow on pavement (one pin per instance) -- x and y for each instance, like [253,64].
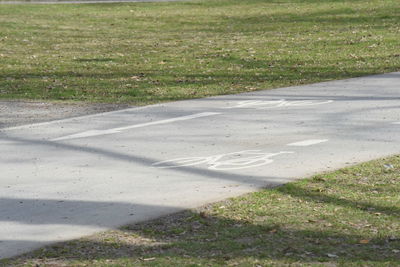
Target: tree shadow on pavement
[238,237]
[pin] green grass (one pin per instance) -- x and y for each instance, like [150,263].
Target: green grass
[349,217]
[143,53]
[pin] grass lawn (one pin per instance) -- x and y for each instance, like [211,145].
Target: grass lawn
[350,217]
[141,53]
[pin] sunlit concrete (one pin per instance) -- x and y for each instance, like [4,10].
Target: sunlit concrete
[69,178]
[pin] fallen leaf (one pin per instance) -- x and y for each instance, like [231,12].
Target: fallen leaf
[364,241]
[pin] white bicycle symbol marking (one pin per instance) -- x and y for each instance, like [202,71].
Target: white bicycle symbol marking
[262,104]
[230,161]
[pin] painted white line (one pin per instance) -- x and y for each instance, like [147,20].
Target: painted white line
[268,104]
[308,142]
[6,142]
[141,125]
[38,124]
[86,134]
[223,162]
[397,122]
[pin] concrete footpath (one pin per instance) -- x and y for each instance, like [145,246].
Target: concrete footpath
[65,179]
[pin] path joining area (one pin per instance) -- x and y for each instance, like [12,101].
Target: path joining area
[64,179]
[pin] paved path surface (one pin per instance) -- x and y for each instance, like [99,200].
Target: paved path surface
[65,179]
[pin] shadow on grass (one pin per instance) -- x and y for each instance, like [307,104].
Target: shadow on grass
[221,238]
[287,71]
[224,3]
[94,59]
[377,18]
[190,237]
[315,196]
[180,83]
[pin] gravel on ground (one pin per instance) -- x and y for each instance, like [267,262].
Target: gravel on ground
[16,113]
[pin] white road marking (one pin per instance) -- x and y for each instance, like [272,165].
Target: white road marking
[264,104]
[141,125]
[308,142]
[7,142]
[223,162]
[73,119]
[397,122]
